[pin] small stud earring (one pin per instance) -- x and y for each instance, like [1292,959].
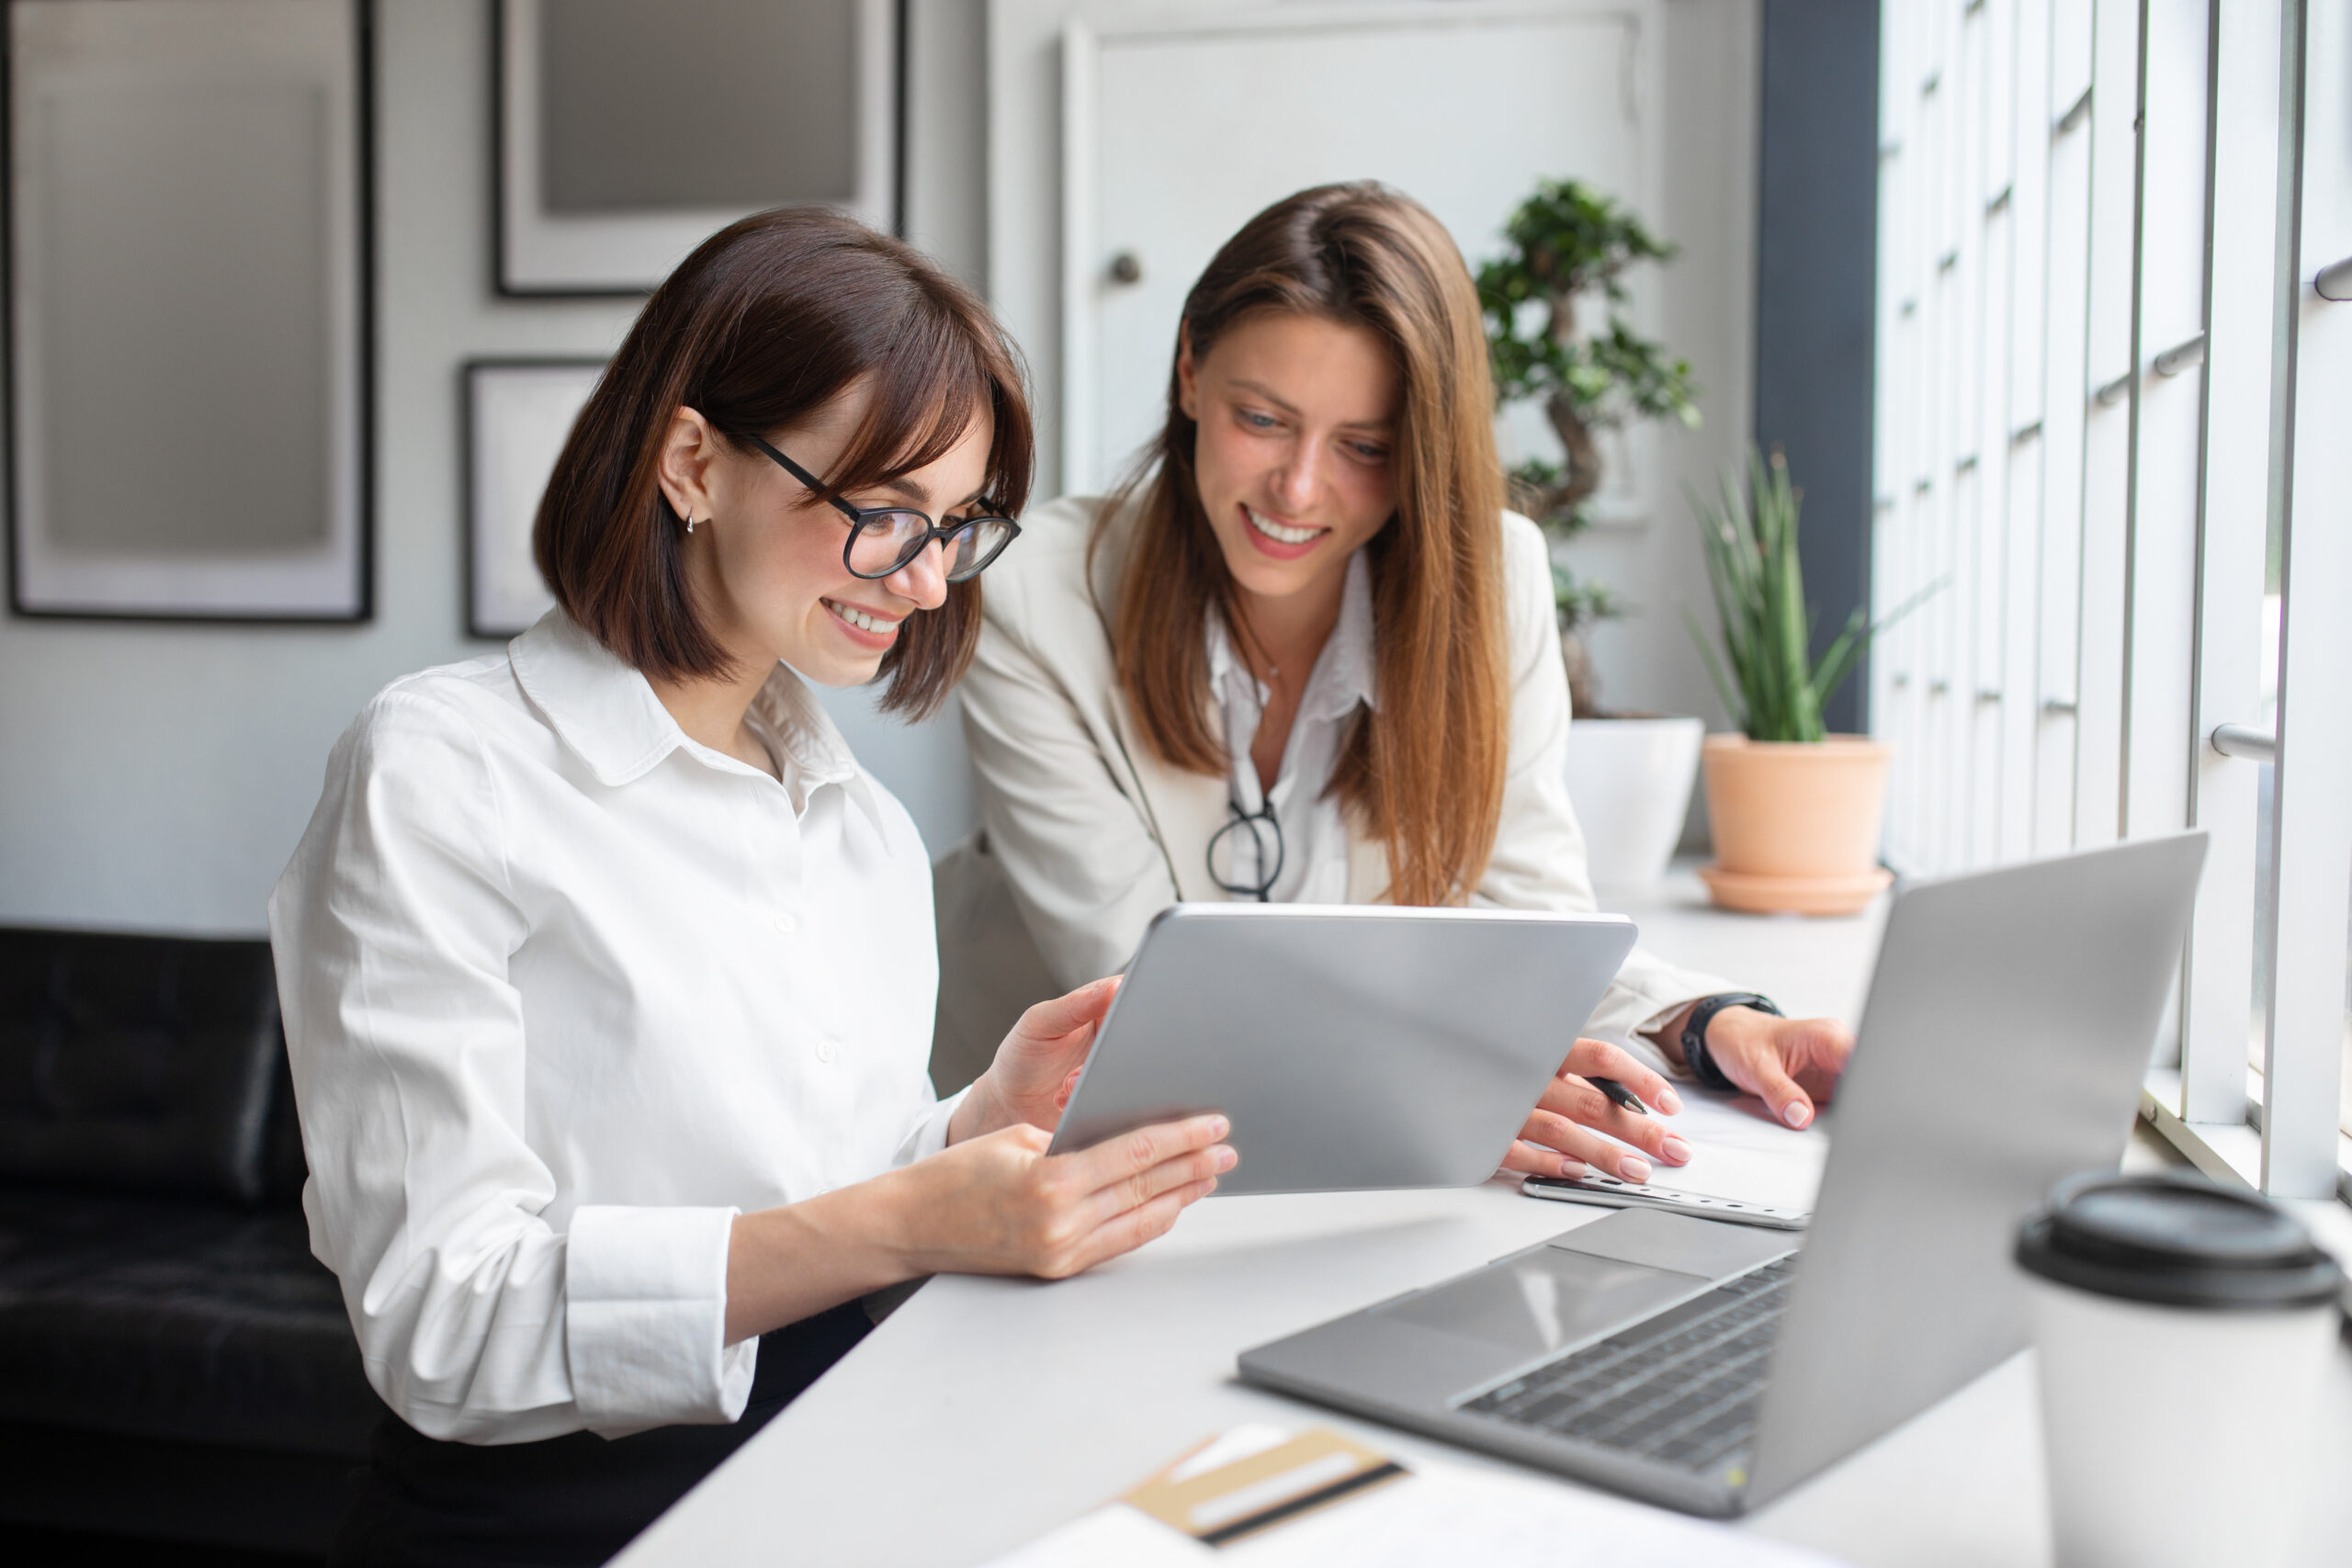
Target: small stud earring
[690,521]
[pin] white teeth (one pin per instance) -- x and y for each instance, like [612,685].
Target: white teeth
[1276,532]
[860,619]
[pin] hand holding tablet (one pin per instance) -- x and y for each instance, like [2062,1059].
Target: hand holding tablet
[1352,1047]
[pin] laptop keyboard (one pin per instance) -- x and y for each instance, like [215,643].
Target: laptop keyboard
[1682,1388]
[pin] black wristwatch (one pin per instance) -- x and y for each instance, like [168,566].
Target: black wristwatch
[1694,1034]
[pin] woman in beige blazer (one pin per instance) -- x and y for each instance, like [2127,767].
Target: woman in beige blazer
[1307,655]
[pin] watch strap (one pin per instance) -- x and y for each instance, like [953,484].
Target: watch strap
[1694,1034]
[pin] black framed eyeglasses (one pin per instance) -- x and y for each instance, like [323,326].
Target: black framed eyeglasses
[884,539]
[1265,835]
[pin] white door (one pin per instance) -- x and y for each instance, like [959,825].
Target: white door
[1176,133]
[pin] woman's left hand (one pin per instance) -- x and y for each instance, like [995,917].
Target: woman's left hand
[1788,1063]
[1575,1125]
[1037,1066]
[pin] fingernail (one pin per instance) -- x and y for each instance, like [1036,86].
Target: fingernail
[1633,1167]
[1669,1101]
[1219,1126]
[1571,1167]
[1225,1158]
[1797,1112]
[1674,1150]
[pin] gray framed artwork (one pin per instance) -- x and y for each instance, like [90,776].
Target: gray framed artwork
[630,132]
[518,412]
[187,308]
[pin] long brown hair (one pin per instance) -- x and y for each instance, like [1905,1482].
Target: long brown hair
[768,321]
[1422,771]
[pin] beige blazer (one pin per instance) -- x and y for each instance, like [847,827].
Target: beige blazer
[1086,835]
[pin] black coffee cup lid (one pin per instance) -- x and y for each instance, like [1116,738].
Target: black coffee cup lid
[2175,1241]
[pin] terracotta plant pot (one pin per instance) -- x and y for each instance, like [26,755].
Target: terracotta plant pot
[1795,825]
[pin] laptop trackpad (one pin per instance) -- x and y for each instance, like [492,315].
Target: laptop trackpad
[1544,1300]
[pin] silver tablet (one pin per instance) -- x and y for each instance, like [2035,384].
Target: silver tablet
[1353,1046]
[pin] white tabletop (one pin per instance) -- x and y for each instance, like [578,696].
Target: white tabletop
[986,1412]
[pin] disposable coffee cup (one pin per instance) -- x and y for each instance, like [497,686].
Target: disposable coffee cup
[2183,1331]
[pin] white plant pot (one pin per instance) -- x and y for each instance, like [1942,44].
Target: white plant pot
[1630,782]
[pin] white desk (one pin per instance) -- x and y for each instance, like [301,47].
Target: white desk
[985,1412]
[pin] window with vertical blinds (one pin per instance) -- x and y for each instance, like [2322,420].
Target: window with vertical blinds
[2115,423]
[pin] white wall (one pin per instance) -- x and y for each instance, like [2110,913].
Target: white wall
[156,777]
[1706,313]
[947,144]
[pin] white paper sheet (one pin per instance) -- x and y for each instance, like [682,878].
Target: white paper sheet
[1740,1150]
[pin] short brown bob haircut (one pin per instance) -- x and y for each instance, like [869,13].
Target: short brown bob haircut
[768,321]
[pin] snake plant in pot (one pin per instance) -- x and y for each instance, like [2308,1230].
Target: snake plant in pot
[1795,810]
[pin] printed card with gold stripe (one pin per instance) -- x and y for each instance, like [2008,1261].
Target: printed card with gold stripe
[1228,1501]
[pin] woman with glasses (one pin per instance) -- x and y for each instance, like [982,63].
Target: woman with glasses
[1305,655]
[608,973]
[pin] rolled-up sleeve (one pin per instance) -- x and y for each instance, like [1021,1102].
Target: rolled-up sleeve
[645,1318]
[478,1318]
[929,1135]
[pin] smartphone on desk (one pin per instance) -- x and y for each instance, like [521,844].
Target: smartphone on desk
[1608,1192]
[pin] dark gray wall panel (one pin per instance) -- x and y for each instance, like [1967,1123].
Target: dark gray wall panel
[1816,291]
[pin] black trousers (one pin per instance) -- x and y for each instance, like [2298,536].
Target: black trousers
[569,1502]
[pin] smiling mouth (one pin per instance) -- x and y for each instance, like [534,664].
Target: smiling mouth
[1282,533]
[863,620]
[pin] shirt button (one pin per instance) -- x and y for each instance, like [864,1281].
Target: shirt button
[783,924]
[827,1050]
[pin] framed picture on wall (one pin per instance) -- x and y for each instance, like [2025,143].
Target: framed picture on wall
[517,413]
[187,308]
[630,132]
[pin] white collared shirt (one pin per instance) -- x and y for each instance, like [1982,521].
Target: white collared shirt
[564,992]
[1314,835]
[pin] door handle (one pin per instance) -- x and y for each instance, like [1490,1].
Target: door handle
[2245,740]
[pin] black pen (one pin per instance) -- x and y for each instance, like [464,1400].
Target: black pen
[1618,1094]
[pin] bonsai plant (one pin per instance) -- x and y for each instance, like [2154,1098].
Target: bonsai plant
[1569,244]
[1796,811]
[1555,338]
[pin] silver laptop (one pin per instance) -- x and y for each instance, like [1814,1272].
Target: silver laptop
[1356,1046]
[1710,1367]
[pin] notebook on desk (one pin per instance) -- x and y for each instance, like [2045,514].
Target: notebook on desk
[1710,1367]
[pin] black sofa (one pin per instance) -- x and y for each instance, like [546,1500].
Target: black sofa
[174,1364]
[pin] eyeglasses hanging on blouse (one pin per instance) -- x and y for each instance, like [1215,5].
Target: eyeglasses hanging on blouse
[1265,835]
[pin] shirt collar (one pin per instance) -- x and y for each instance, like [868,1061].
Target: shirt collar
[1347,664]
[811,739]
[1346,671]
[1225,665]
[605,710]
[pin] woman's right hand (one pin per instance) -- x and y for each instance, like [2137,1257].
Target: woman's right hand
[1572,1127]
[999,1204]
